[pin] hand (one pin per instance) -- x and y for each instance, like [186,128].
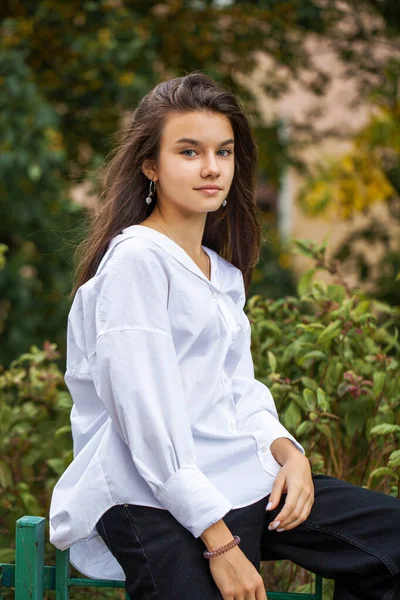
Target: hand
[295,478]
[236,577]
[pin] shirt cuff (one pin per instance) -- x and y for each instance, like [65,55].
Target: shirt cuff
[277,430]
[193,500]
[269,428]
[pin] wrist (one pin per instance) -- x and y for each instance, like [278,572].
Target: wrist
[216,535]
[283,450]
[222,549]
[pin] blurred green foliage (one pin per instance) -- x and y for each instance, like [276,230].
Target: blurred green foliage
[35,213]
[69,71]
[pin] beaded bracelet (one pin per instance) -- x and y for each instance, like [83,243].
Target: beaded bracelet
[222,549]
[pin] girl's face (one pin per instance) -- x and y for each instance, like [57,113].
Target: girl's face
[196,150]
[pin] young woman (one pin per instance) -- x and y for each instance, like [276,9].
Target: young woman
[178,450]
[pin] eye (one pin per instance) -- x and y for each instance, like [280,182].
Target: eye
[187,150]
[191,150]
[226,150]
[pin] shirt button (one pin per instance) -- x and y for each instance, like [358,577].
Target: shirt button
[263,448]
[215,294]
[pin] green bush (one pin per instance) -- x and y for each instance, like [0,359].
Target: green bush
[35,449]
[329,357]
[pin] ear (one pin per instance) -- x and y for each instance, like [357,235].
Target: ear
[149,169]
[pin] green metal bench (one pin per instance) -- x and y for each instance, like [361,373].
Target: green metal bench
[31,577]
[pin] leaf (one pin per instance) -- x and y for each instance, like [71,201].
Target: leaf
[62,430]
[57,464]
[322,399]
[6,479]
[299,399]
[385,429]
[64,401]
[272,327]
[360,309]
[345,308]
[394,459]
[304,428]
[304,283]
[292,416]
[330,332]
[289,353]
[310,327]
[382,472]
[379,382]
[305,247]
[310,356]
[30,503]
[309,398]
[336,293]
[383,307]
[272,361]
[309,383]
[321,286]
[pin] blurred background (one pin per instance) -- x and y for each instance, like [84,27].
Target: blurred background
[320,82]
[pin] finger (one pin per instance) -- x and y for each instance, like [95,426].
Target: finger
[261,594]
[254,595]
[294,515]
[302,504]
[302,512]
[292,508]
[277,490]
[299,521]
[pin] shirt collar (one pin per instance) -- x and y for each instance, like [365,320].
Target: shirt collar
[174,249]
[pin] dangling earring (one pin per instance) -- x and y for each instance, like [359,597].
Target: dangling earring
[224,202]
[151,192]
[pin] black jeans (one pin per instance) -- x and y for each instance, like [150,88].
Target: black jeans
[352,535]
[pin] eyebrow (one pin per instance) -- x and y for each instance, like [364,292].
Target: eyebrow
[198,143]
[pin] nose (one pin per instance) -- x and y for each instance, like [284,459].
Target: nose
[210,165]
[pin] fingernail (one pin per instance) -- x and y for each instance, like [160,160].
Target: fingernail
[275,525]
[281,529]
[269,506]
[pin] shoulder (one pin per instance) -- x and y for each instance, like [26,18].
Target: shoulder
[131,254]
[133,265]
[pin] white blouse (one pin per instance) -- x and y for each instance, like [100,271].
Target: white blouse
[166,410]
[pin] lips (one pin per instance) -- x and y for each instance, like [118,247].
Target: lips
[209,187]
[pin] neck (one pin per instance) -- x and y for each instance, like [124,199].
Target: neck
[187,233]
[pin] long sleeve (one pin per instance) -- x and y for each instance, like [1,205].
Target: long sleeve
[252,397]
[137,377]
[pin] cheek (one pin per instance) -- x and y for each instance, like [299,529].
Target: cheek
[176,171]
[175,166]
[229,173]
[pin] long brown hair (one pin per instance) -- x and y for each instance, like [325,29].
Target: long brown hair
[233,231]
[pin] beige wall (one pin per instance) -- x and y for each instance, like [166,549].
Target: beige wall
[333,111]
